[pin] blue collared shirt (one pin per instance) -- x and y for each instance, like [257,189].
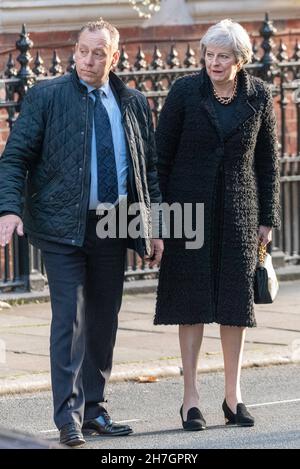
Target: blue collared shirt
[119,142]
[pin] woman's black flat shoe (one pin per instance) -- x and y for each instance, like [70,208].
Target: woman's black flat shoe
[242,418]
[194,420]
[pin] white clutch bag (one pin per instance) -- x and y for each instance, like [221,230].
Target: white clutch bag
[265,281]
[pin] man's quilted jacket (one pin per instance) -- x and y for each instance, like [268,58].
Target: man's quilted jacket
[48,155]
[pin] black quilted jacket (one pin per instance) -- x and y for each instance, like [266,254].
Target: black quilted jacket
[50,148]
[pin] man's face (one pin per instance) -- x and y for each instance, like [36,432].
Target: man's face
[95,57]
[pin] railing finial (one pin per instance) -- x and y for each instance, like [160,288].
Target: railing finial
[157,61]
[56,68]
[268,59]
[123,64]
[24,44]
[190,58]
[172,59]
[140,62]
[10,70]
[39,68]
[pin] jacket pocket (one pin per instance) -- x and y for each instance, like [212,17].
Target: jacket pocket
[49,189]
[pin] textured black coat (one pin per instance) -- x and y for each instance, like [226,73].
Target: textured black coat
[237,179]
[50,145]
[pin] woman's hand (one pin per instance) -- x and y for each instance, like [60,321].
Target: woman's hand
[264,234]
[157,248]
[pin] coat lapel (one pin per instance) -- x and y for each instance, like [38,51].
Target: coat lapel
[121,92]
[247,105]
[206,101]
[209,108]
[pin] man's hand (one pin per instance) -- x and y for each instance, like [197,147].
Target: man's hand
[265,234]
[8,224]
[157,248]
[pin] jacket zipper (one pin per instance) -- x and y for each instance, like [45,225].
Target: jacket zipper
[129,156]
[84,161]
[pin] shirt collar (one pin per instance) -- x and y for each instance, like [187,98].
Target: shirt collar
[104,88]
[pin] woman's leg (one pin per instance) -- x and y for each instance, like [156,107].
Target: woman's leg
[233,339]
[190,338]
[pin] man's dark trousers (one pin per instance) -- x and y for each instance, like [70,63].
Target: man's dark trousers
[86,286]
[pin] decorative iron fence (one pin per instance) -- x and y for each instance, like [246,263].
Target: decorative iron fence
[20,264]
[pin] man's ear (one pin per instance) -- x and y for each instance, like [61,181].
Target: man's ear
[115,59]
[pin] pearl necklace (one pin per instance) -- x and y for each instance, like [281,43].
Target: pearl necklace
[228,100]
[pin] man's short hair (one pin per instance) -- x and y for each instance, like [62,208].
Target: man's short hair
[101,24]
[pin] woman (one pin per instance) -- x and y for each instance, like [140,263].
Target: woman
[216,145]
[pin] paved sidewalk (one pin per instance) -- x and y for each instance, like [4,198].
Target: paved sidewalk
[144,350]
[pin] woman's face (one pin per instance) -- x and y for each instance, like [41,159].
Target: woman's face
[221,64]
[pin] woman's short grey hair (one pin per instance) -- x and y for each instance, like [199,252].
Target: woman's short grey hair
[231,35]
[98,26]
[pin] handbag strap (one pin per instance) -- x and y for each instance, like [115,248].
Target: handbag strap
[262,251]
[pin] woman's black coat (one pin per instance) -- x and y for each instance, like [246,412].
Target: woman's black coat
[237,179]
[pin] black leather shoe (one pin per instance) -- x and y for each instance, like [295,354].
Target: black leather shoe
[103,425]
[194,420]
[71,435]
[242,418]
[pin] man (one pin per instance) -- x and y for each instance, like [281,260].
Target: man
[81,139]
